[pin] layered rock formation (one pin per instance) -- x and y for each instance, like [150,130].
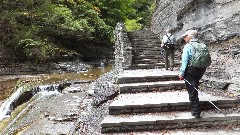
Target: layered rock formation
[216,20]
[218,24]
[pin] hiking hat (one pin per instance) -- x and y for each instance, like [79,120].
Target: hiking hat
[191,33]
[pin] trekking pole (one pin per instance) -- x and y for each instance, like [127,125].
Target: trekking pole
[205,97]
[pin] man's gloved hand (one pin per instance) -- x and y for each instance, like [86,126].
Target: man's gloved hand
[181,77]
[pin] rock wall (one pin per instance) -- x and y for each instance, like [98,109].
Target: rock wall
[215,20]
[123,49]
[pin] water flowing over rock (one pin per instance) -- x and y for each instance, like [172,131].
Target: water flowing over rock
[5,107]
[21,96]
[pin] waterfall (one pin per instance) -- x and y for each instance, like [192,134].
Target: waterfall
[16,98]
[5,108]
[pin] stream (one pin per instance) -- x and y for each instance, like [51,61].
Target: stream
[45,86]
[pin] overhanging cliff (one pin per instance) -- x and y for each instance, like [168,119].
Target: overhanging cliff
[215,20]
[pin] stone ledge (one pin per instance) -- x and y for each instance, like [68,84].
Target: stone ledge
[163,121]
[163,102]
[151,86]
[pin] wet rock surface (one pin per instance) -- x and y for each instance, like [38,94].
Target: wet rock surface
[46,68]
[50,114]
[57,113]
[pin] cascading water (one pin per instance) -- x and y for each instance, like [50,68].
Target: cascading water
[26,99]
[41,91]
[5,108]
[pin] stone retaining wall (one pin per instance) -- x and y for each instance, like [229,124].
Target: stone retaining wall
[123,49]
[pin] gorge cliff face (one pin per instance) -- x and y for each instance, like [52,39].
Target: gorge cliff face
[216,20]
[218,24]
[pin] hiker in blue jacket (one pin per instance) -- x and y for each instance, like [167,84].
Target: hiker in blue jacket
[190,73]
[168,44]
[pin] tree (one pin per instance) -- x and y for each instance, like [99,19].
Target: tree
[42,29]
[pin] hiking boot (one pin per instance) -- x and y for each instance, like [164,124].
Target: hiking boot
[196,115]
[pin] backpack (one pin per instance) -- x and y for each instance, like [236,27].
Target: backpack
[200,55]
[169,44]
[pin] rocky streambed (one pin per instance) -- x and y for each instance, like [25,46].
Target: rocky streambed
[54,112]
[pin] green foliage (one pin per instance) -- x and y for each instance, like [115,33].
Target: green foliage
[41,29]
[37,49]
[133,24]
[144,10]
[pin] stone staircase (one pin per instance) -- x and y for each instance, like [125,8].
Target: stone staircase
[146,50]
[154,101]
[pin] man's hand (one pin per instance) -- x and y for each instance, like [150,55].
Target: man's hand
[180,77]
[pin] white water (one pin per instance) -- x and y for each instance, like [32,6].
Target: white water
[5,107]
[44,92]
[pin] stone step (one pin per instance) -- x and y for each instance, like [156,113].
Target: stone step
[145,60]
[141,34]
[146,53]
[223,130]
[148,41]
[145,38]
[150,67]
[167,121]
[159,60]
[145,45]
[151,86]
[140,49]
[138,35]
[152,56]
[137,76]
[141,56]
[147,67]
[142,43]
[164,102]
[152,63]
[153,66]
[137,60]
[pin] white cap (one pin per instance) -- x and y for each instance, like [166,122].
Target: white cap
[191,33]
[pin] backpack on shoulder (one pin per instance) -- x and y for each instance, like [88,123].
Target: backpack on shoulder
[169,44]
[200,55]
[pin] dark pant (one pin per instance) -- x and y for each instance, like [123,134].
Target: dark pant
[193,75]
[169,57]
